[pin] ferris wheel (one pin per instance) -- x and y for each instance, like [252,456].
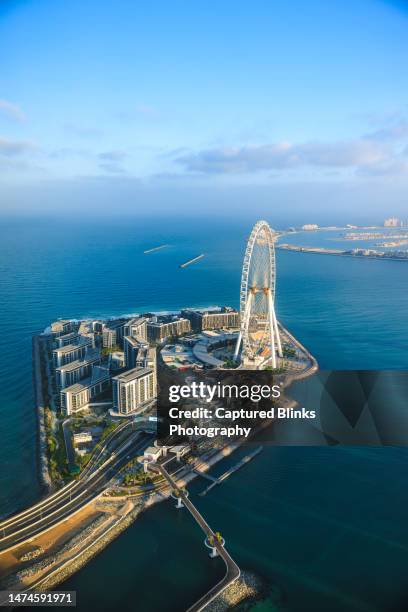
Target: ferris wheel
[259,333]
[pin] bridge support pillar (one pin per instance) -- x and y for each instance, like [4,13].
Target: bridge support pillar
[179,499]
[179,503]
[213,553]
[210,544]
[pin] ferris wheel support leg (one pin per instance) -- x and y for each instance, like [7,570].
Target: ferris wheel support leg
[272,328]
[243,336]
[237,347]
[278,340]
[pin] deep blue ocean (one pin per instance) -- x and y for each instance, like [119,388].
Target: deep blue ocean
[326,528]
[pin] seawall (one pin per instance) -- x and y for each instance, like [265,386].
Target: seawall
[44,476]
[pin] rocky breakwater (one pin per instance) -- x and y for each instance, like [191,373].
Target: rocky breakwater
[38,346]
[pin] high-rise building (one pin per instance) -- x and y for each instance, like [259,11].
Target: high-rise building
[134,390]
[159,330]
[225,318]
[61,327]
[65,339]
[392,222]
[70,352]
[138,354]
[136,328]
[86,329]
[310,227]
[112,333]
[78,396]
[70,373]
[97,326]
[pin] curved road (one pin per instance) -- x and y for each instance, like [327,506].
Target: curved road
[69,500]
[37,509]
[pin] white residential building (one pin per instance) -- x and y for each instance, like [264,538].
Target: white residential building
[70,373]
[78,396]
[158,331]
[70,352]
[134,390]
[136,328]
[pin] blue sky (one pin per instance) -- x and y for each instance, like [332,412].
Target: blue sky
[136,104]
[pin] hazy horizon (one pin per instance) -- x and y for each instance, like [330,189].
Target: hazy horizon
[266,109]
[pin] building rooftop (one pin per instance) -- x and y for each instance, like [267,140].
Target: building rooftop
[60,323]
[89,358]
[114,323]
[135,342]
[162,323]
[133,374]
[85,327]
[202,350]
[71,347]
[99,374]
[152,451]
[136,321]
[72,334]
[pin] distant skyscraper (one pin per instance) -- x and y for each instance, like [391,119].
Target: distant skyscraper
[392,222]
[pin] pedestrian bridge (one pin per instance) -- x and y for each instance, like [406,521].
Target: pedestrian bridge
[232,569]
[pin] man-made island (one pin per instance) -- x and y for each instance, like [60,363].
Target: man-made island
[97,383]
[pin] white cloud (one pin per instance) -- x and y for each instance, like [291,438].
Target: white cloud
[112,168]
[114,156]
[12,111]
[396,131]
[82,131]
[141,111]
[278,156]
[11,148]
[68,152]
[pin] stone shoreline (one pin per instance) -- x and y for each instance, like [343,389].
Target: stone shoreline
[71,566]
[247,587]
[44,475]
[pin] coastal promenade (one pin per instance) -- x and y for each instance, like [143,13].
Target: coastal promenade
[232,569]
[304,370]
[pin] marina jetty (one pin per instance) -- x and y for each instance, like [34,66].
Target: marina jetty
[191,261]
[156,248]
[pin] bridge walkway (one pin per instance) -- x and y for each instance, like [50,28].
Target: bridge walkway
[233,572]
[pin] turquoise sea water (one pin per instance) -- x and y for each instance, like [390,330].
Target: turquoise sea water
[325,528]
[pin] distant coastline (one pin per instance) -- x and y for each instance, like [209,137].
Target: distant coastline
[367,253]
